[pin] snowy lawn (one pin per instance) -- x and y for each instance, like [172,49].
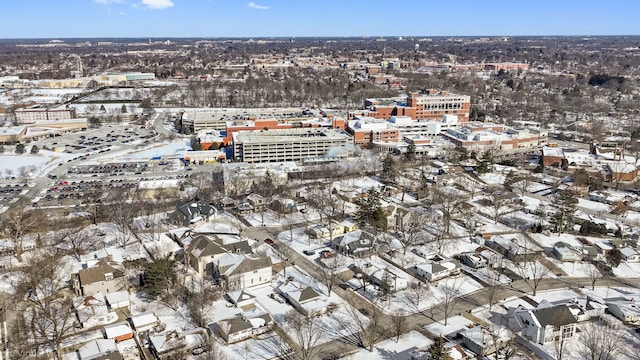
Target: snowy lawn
[390,349]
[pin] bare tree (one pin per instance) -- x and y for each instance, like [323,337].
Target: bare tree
[330,207]
[600,341]
[417,291]
[408,228]
[307,334]
[15,225]
[448,202]
[532,272]
[450,291]
[76,240]
[492,293]
[593,273]
[122,211]
[371,331]
[331,272]
[523,183]
[559,344]
[500,203]
[398,325]
[47,307]
[198,298]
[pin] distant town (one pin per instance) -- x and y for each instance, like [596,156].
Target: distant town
[320,198]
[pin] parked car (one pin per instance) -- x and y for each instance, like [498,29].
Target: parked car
[269,241]
[309,252]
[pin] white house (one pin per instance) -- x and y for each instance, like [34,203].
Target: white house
[436,270]
[629,254]
[99,349]
[304,299]
[625,310]
[566,252]
[543,325]
[118,299]
[243,326]
[144,321]
[242,271]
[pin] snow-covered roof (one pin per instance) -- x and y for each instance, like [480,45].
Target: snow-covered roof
[119,329]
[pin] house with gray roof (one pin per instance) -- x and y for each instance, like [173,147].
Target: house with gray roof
[236,272]
[304,299]
[202,250]
[104,277]
[543,325]
[243,326]
[194,212]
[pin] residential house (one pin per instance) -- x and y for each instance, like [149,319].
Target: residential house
[566,252]
[194,212]
[175,344]
[433,270]
[104,276]
[304,299]
[629,254]
[256,200]
[203,250]
[243,326]
[515,249]
[543,325]
[625,310]
[473,260]
[99,349]
[240,298]
[393,278]
[452,350]
[485,342]
[118,332]
[354,244]
[118,299]
[145,321]
[583,308]
[93,311]
[235,272]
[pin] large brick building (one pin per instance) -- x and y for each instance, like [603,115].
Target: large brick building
[426,105]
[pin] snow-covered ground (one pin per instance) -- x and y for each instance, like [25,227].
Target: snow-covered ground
[35,164]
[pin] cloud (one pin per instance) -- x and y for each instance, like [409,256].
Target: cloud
[157,4]
[257,6]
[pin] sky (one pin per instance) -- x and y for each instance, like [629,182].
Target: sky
[300,18]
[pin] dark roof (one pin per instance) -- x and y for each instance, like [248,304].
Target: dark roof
[191,209]
[557,316]
[96,273]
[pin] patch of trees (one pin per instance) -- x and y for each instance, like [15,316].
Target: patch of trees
[591,228]
[605,80]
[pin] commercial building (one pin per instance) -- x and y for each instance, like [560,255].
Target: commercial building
[366,130]
[426,105]
[480,135]
[33,114]
[289,145]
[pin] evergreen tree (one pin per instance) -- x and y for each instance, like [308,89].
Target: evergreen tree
[35,149]
[565,205]
[437,350]
[410,155]
[389,169]
[370,210]
[159,276]
[20,149]
[614,258]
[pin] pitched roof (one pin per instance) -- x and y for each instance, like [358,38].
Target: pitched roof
[97,273]
[556,316]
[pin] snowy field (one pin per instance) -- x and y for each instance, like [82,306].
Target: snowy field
[36,164]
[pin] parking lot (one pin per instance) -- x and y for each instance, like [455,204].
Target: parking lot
[10,192]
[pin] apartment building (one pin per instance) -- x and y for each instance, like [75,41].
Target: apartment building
[289,145]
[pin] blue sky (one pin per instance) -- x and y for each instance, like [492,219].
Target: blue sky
[264,18]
